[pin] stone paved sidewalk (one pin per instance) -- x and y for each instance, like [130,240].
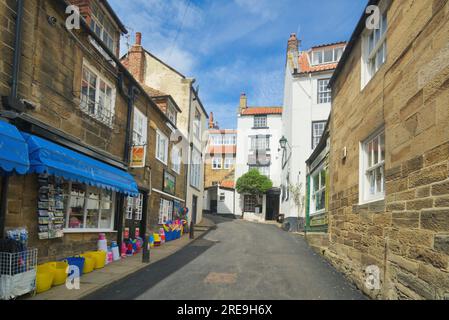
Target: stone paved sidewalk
[118,270]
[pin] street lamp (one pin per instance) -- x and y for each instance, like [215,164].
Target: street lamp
[283,142]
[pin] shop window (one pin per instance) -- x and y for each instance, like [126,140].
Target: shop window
[250,203]
[97,96]
[134,208]
[165,211]
[318,192]
[372,173]
[89,208]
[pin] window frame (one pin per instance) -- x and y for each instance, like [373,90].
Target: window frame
[195,168]
[176,159]
[255,143]
[326,95]
[134,208]
[172,113]
[258,124]
[143,135]
[322,51]
[365,194]
[95,19]
[322,190]
[88,189]
[110,117]
[313,133]
[197,124]
[217,165]
[159,135]
[370,52]
[249,207]
[229,162]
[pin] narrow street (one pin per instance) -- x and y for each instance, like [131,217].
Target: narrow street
[237,260]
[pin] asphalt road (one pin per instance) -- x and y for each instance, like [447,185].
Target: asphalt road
[237,261]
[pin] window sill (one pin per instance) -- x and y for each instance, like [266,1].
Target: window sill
[317,213]
[377,205]
[77,231]
[164,163]
[260,128]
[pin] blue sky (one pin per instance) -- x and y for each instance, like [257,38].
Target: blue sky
[235,46]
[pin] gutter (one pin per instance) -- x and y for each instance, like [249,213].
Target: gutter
[12,100]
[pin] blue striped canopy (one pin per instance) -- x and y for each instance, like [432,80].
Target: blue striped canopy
[13,150]
[53,159]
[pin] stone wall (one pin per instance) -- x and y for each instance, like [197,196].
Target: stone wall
[405,235]
[50,78]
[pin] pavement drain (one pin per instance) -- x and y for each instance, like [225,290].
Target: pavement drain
[221,278]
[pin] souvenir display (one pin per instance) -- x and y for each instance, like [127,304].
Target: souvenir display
[50,207]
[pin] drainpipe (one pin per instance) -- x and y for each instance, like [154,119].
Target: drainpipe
[13,98]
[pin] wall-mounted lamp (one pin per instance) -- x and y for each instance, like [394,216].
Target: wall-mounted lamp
[283,142]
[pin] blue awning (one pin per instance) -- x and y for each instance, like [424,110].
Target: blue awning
[50,158]
[13,150]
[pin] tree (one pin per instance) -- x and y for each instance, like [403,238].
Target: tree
[254,183]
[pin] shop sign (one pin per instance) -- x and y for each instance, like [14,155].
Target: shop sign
[318,221]
[138,157]
[169,183]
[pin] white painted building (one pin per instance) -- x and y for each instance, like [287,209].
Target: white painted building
[259,130]
[307,105]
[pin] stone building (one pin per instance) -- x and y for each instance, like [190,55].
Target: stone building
[389,151]
[192,122]
[155,128]
[219,170]
[67,95]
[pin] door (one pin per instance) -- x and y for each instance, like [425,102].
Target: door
[135,217]
[194,208]
[273,203]
[213,206]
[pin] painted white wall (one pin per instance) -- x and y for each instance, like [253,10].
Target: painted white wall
[226,206]
[245,129]
[301,108]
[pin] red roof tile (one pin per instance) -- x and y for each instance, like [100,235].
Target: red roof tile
[261,111]
[222,150]
[227,184]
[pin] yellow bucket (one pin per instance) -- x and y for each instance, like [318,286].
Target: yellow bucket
[60,272]
[99,257]
[44,278]
[89,264]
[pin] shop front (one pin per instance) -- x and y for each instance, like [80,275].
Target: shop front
[66,199]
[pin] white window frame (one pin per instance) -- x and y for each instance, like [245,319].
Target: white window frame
[324,92]
[229,162]
[335,57]
[134,208]
[166,209]
[249,201]
[216,139]
[315,136]
[176,159]
[197,124]
[140,128]
[106,116]
[222,197]
[320,191]
[99,28]
[171,113]
[261,121]
[159,137]
[87,190]
[217,163]
[374,50]
[260,143]
[368,171]
[195,168]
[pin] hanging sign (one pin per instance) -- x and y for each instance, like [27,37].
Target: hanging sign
[138,157]
[169,183]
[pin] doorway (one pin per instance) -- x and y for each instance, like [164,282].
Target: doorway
[136,217]
[273,205]
[194,208]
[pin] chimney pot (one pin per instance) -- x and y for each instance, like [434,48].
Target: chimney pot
[139,38]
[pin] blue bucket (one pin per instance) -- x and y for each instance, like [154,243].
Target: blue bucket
[76,261]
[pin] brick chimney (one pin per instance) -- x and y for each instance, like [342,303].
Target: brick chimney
[136,59]
[243,102]
[293,43]
[211,121]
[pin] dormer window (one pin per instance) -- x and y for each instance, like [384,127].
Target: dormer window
[103,27]
[327,55]
[171,112]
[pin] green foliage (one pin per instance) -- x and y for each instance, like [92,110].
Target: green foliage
[253,183]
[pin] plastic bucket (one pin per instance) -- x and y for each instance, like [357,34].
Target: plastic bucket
[44,278]
[99,258]
[60,272]
[89,264]
[77,262]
